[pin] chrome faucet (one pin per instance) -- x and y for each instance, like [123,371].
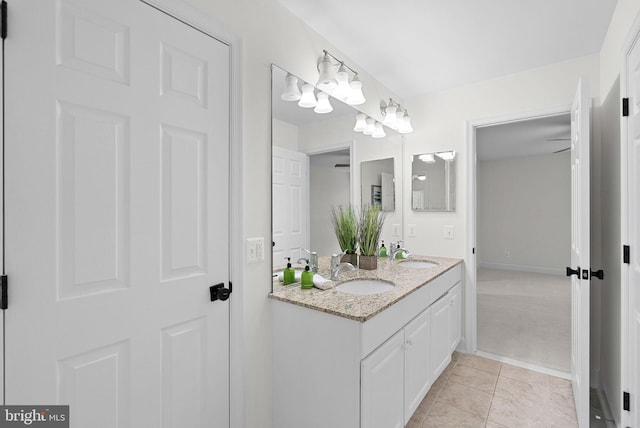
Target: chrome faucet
[336,266]
[312,261]
[399,249]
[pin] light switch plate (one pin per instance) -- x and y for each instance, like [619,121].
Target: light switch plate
[412,230]
[448,232]
[396,230]
[255,250]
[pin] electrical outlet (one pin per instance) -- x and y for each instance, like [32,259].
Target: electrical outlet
[507,254]
[448,232]
[412,230]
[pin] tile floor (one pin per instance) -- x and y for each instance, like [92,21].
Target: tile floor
[478,392]
[525,317]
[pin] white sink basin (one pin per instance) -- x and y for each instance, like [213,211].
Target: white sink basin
[365,286]
[418,264]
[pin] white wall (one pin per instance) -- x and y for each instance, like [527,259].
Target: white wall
[524,209]
[285,135]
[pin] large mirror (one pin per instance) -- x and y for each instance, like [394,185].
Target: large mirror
[318,161]
[433,186]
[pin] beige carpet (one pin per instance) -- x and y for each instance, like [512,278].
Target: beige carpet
[525,316]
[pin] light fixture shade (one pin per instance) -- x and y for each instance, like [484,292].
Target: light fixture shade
[379,132]
[420,177]
[399,119]
[405,127]
[291,91]
[356,97]
[450,155]
[323,106]
[308,98]
[371,126]
[361,122]
[342,90]
[427,157]
[390,114]
[326,81]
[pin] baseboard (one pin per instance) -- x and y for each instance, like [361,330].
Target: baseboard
[533,367]
[523,268]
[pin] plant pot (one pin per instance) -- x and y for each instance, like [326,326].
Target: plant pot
[368,262]
[350,258]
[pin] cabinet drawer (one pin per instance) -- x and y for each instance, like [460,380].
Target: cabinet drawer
[440,285]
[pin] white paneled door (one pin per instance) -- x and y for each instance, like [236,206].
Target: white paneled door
[117,178]
[630,195]
[580,238]
[290,202]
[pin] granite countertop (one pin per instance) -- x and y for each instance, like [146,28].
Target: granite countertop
[362,307]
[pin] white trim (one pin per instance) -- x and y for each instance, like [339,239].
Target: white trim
[523,268]
[533,367]
[632,38]
[193,17]
[470,339]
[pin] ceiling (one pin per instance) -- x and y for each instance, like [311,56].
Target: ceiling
[415,47]
[524,138]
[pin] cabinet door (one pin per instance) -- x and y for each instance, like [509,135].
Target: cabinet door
[382,385]
[417,365]
[440,344]
[455,316]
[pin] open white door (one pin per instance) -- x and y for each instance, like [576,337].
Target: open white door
[630,211]
[580,241]
[117,188]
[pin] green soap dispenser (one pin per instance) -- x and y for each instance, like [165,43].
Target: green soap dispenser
[383,250]
[307,278]
[399,254]
[289,275]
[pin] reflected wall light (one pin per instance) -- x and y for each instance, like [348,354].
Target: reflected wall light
[291,91]
[361,122]
[379,131]
[450,155]
[308,97]
[427,157]
[323,106]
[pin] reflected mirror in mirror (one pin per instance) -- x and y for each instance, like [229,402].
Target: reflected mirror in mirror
[433,186]
[377,183]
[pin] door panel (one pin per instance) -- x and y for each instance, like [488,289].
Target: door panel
[580,241]
[632,197]
[117,176]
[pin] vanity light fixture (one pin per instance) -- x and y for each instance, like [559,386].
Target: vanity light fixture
[396,117]
[323,106]
[448,156]
[361,122]
[420,177]
[308,97]
[291,91]
[337,83]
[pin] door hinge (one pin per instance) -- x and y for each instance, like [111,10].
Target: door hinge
[4,292]
[626,254]
[473,251]
[625,107]
[626,400]
[3,19]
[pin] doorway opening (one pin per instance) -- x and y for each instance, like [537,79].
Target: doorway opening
[521,218]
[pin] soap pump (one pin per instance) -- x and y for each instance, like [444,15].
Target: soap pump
[306,281]
[383,250]
[289,275]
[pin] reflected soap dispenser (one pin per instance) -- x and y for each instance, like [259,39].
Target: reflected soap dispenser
[383,250]
[289,275]
[307,278]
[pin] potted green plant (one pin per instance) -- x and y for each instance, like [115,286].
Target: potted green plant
[345,226]
[369,231]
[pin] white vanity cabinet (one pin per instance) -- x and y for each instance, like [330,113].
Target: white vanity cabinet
[333,371]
